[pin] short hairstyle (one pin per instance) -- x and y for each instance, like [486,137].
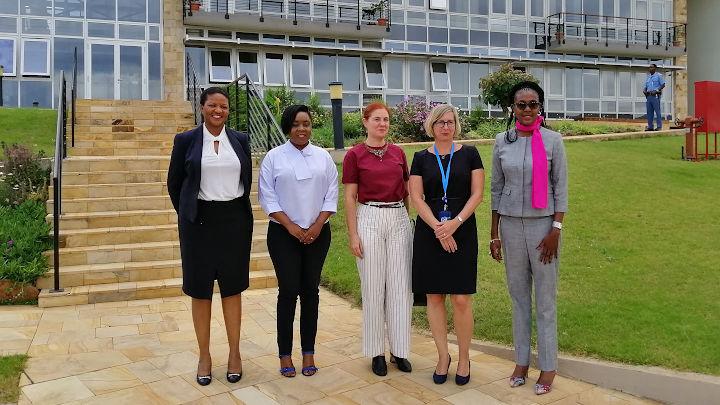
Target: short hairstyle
[435,114]
[526,85]
[652,64]
[375,105]
[289,114]
[210,91]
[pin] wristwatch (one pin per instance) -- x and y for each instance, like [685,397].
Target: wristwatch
[557,224]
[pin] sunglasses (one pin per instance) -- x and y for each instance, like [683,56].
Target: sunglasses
[534,105]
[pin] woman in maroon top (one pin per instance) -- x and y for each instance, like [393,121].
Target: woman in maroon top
[375,174]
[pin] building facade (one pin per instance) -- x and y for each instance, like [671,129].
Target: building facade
[590,55]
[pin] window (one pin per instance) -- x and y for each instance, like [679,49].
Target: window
[416,74]
[36,57]
[537,8]
[459,37]
[7,55]
[64,56]
[477,72]
[555,81]
[395,73]
[499,6]
[220,67]
[574,82]
[132,10]
[247,64]
[374,77]
[350,72]
[154,73]
[8,25]
[439,4]
[323,70]
[72,28]
[132,32]
[101,10]
[36,93]
[154,11]
[591,83]
[438,35]
[275,69]
[101,30]
[417,33]
[440,78]
[197,60]
[459,78]
[69,8]
[608,7]
[35,7]
[300,71]
[8,7]
[625,85]
[608,83]
[479,7]
[40,26]
[459,6]
[518,7]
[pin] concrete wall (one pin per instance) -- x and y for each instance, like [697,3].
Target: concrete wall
[680,81]
[703,33]
[173,51]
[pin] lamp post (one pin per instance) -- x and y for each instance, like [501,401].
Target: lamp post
[336,102]
[2,73]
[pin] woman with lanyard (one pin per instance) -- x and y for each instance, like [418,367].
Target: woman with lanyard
[446,185]
[375,175]
[529,201]
[298,190]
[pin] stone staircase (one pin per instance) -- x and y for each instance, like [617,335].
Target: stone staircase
[118,229]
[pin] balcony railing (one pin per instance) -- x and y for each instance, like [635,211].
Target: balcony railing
[574,32]
[326,12]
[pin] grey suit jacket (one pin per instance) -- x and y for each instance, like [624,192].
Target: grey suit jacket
[511,184]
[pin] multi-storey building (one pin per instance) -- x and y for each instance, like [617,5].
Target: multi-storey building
[591,55]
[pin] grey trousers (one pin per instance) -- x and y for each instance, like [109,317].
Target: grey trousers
[520,238]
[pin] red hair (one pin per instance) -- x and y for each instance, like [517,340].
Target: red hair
[367,112]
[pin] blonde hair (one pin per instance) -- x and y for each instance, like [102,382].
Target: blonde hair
[435,114]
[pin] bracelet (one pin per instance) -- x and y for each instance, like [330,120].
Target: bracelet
[459,218]
[493,240]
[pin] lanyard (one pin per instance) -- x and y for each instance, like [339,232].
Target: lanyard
[445,176]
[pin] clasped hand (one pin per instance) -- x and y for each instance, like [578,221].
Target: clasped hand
[305,236]
[444,232]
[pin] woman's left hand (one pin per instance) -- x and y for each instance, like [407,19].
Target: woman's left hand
[312,233]
[548,247]
[444,230]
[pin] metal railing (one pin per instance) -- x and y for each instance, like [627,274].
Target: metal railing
[248,110]
[609,29]
[326,11]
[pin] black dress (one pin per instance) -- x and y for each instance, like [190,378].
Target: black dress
[435,271]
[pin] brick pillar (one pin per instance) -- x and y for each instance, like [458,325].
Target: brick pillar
[173,51]
[680,77]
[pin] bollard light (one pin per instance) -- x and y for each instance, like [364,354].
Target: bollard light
[2,73]
[336,102]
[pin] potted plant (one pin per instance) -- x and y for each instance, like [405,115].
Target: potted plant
[560,33]
[377,10]
[194,5]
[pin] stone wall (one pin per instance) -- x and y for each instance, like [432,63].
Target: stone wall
[680,77]
[173,51]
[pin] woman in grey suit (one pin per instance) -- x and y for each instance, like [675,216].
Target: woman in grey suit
[529,201]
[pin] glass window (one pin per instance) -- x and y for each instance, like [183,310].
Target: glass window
[518,41]
[555,6]
[574,105]
[397,32]
[36,57]
[35,7]
[10,93]
[477,72]
[459,37]
[573,77]
[101,30]
[8,7]
[417,33]
[132,10]
[479,23]
[64,56]
[395,73]
[8,24]
[440,79]
[220,67]
[154,72]
[624,9]
[154,11]
[459,78]
[274,69]
[34,93]
[479,38]
[555,105]
[461,103]
[439,35]
[349,43]
[197,61]
[417,47]
[625,107]
[591,83]
[479,7]
[416,73]
[592,106]
[393,99]
[273,39]
[132,32]
[74,28]
[641,9]
[350,73]
[608,7]
[300,71]
[459,6]
[555,81]
[538,73]
[416,18]
[101,10]
[608,83]
[499,6]
[7,55]
[625,84]
[39,26]
[518,7]
[499,39]
[69,8]
[438,20]
[374,77]
[458,21]
[537,8]
[437,49]
[154,33]
[247,64]
[295,38]
[323,70]
[609,107]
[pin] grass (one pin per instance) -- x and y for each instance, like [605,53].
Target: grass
[638,282]
[489,128]
[33,127]
[10,369]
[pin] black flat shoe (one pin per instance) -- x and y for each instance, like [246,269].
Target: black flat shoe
[233,377]
[203,380]
[441,378]
[379,367]
[402,364]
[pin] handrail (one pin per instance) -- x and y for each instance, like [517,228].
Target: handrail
[60,153]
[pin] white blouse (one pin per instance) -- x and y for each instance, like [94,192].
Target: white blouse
[301,183]
[219,172]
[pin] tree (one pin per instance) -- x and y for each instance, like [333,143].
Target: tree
[495,87]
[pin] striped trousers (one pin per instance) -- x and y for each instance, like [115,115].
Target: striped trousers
[385,279]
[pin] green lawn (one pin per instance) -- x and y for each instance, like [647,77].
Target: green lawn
[10,369]
[638,281]
[33,127]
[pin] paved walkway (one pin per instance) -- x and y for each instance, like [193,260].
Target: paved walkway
[144,352]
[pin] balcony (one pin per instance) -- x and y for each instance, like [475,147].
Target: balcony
[608,35]
[332,18]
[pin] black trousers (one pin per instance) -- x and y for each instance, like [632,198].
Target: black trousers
[298,269]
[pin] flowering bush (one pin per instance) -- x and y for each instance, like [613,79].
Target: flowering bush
[22,176]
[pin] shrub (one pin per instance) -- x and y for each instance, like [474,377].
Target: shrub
[352,125]
[24,236]
[495,87]
[409,116]
[279,98]
[22,175]
[323,136]
[475,118]
[321,116]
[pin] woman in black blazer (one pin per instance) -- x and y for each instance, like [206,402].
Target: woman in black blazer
[209,185]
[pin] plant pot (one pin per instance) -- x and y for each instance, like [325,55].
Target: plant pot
[382,21]
[195,6]
[560,36]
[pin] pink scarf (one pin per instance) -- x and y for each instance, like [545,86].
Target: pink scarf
[539,163]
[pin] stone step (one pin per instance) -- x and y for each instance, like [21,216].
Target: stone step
[102,204]
[169,128]
[131,252]
[123,144]
[99,104]
[113,177]
[70,238]
[123,136]
[134,290]
[115,163]
[93,151]
[75,191]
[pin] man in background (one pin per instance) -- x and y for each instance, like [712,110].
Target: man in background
[654,85]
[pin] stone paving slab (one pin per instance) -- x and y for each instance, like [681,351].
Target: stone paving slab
[144,352]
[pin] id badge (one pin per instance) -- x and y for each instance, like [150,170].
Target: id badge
[444,216]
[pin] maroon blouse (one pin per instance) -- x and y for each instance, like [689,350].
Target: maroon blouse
[381,180]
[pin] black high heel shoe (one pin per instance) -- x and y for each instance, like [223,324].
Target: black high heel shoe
[233,377]
[463,379]
[203,380]
[441,378]
[402,364]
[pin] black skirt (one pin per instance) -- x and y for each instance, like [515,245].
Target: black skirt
[217,247]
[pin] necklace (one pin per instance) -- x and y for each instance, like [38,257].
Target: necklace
[379,152]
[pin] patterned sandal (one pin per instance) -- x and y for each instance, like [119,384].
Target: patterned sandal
[541,389]
[287,371]
[309,370]
[517,381]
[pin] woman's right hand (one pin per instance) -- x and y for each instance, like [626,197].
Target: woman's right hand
[356,246]
[449,244]
[496,249]
[296,231]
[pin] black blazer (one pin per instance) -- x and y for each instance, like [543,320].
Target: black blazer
[183,181]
